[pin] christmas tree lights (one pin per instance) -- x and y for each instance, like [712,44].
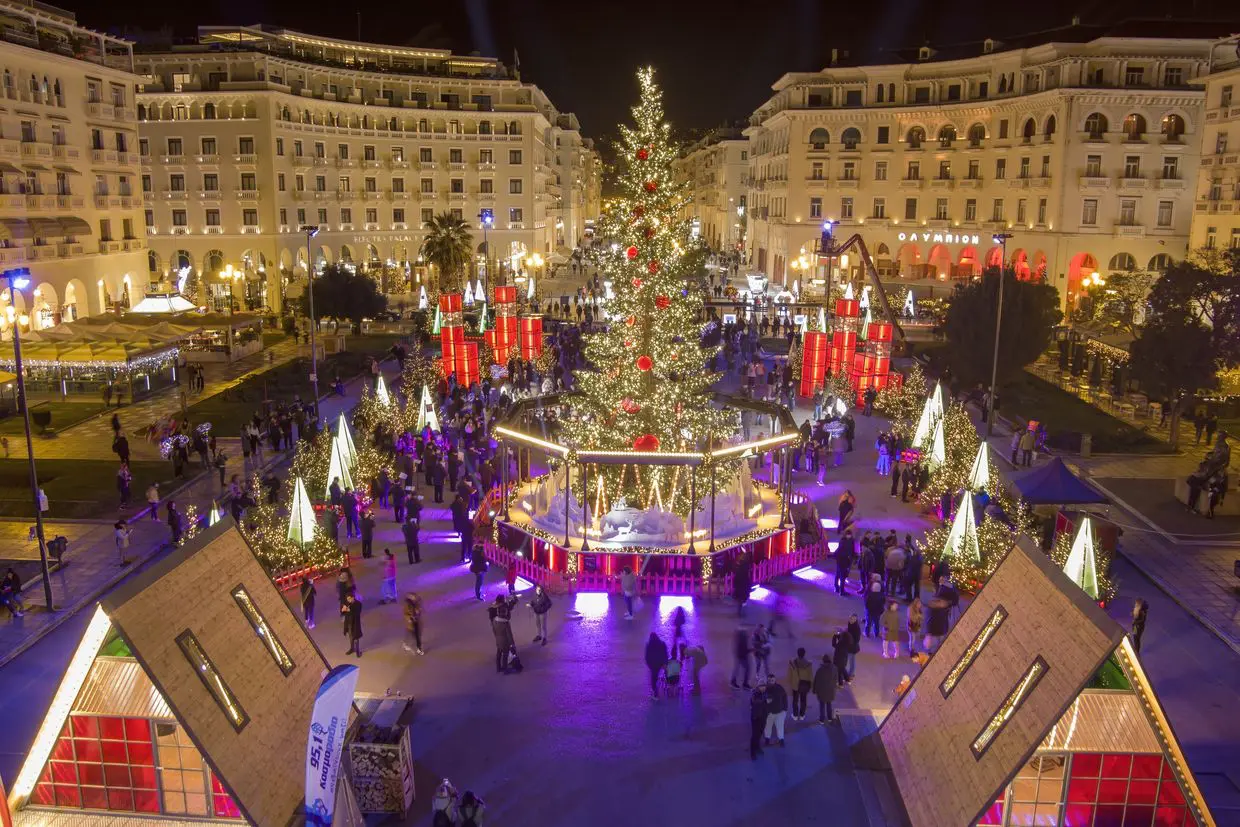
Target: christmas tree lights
[979,474]
[214,516]
[337,471]
[427,417]
[266,529]
[346,440]
[901,402]
[381,392]
[962,544]
[301,521]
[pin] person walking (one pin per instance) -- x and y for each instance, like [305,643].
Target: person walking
[800,681]
[123,481]
[761,652]
[696,655]
[1140,612]
[353,620]
[854,636]
[845,552]
[120,532]
[776,710]
[478,565]
[914,623]
[740,651]
[308,594]
[175,526]
[893,565]
[874,604]
[11,593]
[152,499]
[501,628]
[891,630]
[628,588]
[841,643]
[757,719]
[388,595]
[367,530]
[824,686]
[413,551]
[1026,448]
[413,621]
[656,659]
[936,624]
[541,606]
[344,587]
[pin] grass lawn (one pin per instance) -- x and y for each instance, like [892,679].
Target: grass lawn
[82,489]
[64,415]
[1066,417]
[229,410]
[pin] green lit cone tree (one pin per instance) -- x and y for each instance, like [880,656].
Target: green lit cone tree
[650,387]
[902,404]
[267,530]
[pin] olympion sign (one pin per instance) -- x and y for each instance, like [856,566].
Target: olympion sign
[939,238]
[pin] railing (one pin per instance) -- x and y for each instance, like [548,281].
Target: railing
[549,580]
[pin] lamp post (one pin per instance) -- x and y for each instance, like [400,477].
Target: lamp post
[19,278]
[1001,239]
[311,231]
[826,250]
[487,218]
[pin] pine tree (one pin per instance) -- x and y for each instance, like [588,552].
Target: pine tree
[650,389]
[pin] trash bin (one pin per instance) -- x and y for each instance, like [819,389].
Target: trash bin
[1087,444]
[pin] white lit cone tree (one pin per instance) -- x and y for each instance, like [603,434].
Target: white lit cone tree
[649,388]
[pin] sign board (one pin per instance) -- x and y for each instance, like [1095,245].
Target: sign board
[328,724]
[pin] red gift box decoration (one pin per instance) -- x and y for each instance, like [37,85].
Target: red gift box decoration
[531,334]
[451,330]
[503,336]
[814,358]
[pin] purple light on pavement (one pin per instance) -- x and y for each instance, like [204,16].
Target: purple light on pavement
[810,573]
[442,537]
[833,546]
[592,604]
[829,522]
[522,584]
[668,603]
[760,594]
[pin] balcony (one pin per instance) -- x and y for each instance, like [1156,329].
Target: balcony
[208,160]
[12,255]
[456,166]
[816,182]
[176,195]
[133,244]
[126,158]
[1169,183]
[394,163]
[346,163]
[67,250]
[116,246]
[103,156]
[319,161]
[1129,230]
[460,196]
[172,160]
[847,183]
[428,196]
[370,163]
[213,229]
[248,159]
[301,161]
[911,183]
[10,147]
[301,195]
[64,152]
[251,230]
[99,109]
[1020,183]
[122,113]
[942,183]
[485,166]
[486,197]
[371,195]
[179,231]
[1132,184]
[1042,182]
[42,252]
[346,195]
[101,202]
[402,195]
[969,184]
[40,202]
[36,149]
[370,226]
[245,195]
[1095,182]
[70,202]
[210,195]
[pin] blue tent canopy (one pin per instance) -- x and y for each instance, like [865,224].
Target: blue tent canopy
[1053,484]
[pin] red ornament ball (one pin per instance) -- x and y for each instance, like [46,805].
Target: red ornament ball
[646,442]
[662,302]
[631,253]
[637,284]
[644,363]
[651,186]
[650,232]
[631,320]
[639,211]
[629,406]
[653,266]
[643,154]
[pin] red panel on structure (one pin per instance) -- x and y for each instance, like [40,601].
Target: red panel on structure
[814,359]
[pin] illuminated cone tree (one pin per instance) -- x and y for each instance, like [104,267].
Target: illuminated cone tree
[650,387]
[301,520]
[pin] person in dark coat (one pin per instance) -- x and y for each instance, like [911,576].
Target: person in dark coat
[368,534]
[841,643]
[462,525]
[1140,612]
[656,659]
[844,554]
[912,574]
[478,565]
[350,515]
[826,680]
[875,602]
[740,650]
[307,601]
[352,610]
[383,487]
[776,710]
[757,720]
[410,531]
[398,499]
[936,623]
[438,474]
[175,526]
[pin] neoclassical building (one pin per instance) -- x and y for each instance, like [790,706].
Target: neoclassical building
[1082,143]
[1216,219]
[254,132]
[716,169]
[70,208]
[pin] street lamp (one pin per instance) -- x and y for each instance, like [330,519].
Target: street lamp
[1001,239]
[232,276]
[311,231]
[18,279]
[487,217]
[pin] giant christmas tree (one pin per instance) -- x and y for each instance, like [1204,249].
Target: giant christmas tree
[649,387]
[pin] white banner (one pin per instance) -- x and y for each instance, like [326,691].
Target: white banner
[328,725]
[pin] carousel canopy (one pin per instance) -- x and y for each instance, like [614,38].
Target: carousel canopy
[1053,484]
[162,303]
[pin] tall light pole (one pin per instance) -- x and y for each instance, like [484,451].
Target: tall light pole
[18,279]
[487,218]
[311,231]
[1001,239]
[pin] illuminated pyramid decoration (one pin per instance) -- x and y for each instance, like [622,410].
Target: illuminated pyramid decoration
[1026,681]
[848,292]
[938,445]
[480,292]
[469,295]
[822,319]
[423,301]
[131,705]
[482,318]
[214,516]
[962,541]
[301,521]
[910,305]
[1082,565]
[381,396]
[529,290]
[337,469]
[438,321]
[931,412]
[347,451]
[426,412]
[979,475]
[865,322]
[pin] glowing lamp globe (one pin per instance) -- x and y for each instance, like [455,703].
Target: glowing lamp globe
[644,363]
[646,443]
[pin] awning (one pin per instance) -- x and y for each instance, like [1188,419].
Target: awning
[72,225]
[18,228]
[68,170]
[6,167]
[44,227]
[31,165]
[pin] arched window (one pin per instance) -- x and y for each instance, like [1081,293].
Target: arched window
[977,134]
[1172,128]
[514,128]
[484,127]
[1122,261]
[1002,84]
[850,137]
[152,261]
[1159,263]
[393,124]
[1134,127]
[142,111]
[947,136]
[305,116]
[57,92]
[916,137]
[881,89]
[182,112]
[208,111]
[1029,130]
[1048,131]
[1096,125]
[891,93]
[819,138]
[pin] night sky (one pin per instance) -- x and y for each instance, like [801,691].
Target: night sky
[717,60]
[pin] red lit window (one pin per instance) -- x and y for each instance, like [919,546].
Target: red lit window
[1082,790]
[1172,817]
[1086,765]
[1078,815]
[1142,792]
[1147,766]
[1169,793]
[1112,792]
[1116,766]
[1109,815]
[97,764]
[993,814]
[94,798]
[225,807]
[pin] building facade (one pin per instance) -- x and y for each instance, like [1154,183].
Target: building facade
[716,169]
[1216,219]
[255,132]
[70,209]
[1084,149]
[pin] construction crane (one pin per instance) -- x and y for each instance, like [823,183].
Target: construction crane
[829,248]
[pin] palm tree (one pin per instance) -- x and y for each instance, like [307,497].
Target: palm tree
[448,246]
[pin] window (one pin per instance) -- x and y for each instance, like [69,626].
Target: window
[1132,166]
[280,181]
[940,209]
[249,218]
[299,183]
[181,772]
[370,185]
[456,156]
[916,137]
[975,169]
[914,171]
[486,186]
[1003,129]
[1046,167]
[297,149]
[346,215]
[880,208]
[1235,238]
[1220,143]
[1020,692]
[1164,213]
[146,183]
[970,209]
[1020,211]
[398,153]
[245,146]
[122,144]
[96,136]
[212,680]
[852,97]
[815,207]
[816,171]
[1224,96]
[884,135]
[975,648]
[176,182]
[1000,168]
[953,92]
[1211,232]
[320,183]
[249,182]
[1093,166]
[515,215]
[1041,210]
[1089,212]
[368,152]
[910,209]
[1037,792]
[486,156]
[427,215]
[1128,211]
[996,210]
[210,181]
[846,207]
[398,215]
[1173,76]
[425,156]
[921,94]
[261,628]
[150,218]
[456,185]
[945,170]
[342,151]
[1171,168]
[213,218]
[1024,168]
[880,170]
[1134,76]
[174,146]
[398,185]
[514,186]
[301,217]
[850,171]
[428,185]
[850,138]
[283,216]
[514,156]
[983,89]
[144,147]
[1134,127]
[280,147]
